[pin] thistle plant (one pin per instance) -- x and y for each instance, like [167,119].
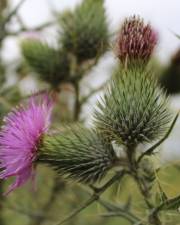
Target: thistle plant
[132,112]
[82,37]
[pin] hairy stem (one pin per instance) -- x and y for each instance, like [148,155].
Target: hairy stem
[167,204]
[133,166]
[119,212]
[97,193]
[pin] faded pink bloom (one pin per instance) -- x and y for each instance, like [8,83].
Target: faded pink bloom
[136,41]
[20,137]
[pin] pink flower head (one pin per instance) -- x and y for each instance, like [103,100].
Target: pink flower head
[20,137]
[136,41]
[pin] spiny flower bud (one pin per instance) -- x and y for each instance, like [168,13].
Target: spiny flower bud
[135,42]
[81,154]
[84,31]
[50,64]
[133,110]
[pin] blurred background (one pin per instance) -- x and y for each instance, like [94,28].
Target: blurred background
[67,47]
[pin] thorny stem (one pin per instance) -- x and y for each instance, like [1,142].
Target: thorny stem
[165,204]
[119,211]
[128,216]
[133,165]
[143,191]
[97,193]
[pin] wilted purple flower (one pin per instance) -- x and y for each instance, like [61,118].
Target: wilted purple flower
[136,41]
[20,137]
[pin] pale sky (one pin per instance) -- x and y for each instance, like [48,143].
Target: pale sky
[163,14]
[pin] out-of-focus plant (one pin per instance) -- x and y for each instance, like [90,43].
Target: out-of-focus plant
[133,112]
[83,33]
[51,65]
[83,39]
[170,78]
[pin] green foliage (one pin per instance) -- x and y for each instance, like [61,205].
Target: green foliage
[51,65]
[80,153]
[84,32]
[133,109]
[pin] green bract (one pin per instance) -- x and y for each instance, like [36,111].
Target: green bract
[80,153]
[51,65]
[133,110]
[84,32]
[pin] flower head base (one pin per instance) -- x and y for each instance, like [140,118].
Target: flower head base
[20,137]
[135,42]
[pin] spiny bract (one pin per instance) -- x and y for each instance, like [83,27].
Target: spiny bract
[50,64]
[80,154]
[133,110]
[84,31]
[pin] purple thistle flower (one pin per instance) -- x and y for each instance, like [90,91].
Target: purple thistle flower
[20,137]
[136,41]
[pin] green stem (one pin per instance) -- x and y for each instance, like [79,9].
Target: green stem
[167,204]
[133,165]
[120,212]
[97,193]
